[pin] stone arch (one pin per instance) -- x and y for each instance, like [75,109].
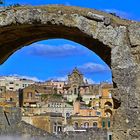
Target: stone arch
[76,125]
[108,112]
[33,24]
[115,40]
[95,124]
[86,124]
[108,104]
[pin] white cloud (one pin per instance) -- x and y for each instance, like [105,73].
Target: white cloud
[109,81]
[89,80]
[56,50]
[93,67]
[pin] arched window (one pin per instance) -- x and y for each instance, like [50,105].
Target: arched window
[108,113]
[86,125]
[95,124]
[76,125]
[109,104]
[54,127]
[75,90]
[67,115]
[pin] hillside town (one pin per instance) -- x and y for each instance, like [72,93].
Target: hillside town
[60,106]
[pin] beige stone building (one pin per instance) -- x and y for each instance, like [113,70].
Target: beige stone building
[76,85]
[13,83]
[56,84]
[8,98]
[33,94]
[57,105]
[85,117]
[50,122]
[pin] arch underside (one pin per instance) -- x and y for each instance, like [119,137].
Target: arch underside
[23,35]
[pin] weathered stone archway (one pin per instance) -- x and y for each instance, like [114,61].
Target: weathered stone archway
[115,40]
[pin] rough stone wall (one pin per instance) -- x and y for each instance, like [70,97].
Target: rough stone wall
[115,40]
[93,134]
[126,68]
[11,124]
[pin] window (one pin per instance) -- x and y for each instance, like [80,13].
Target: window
[110,137]
[76,125]
[108,123]
[90,113]
[98,113]
[94,124]
[74,90]
[86,125]
[11,82]
[103,124]
[11,88]
[67,115]
[29,94]
[11,99]
[59,129]
[55,128]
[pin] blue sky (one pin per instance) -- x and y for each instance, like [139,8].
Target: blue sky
[56,58]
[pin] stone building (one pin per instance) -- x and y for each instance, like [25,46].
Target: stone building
[85,117]
[105,105]
[8,98]
[2,90]
[32,95]
[56,105]
[13,83]
[59,106]
[58,85]
[76,85]
[50,122]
